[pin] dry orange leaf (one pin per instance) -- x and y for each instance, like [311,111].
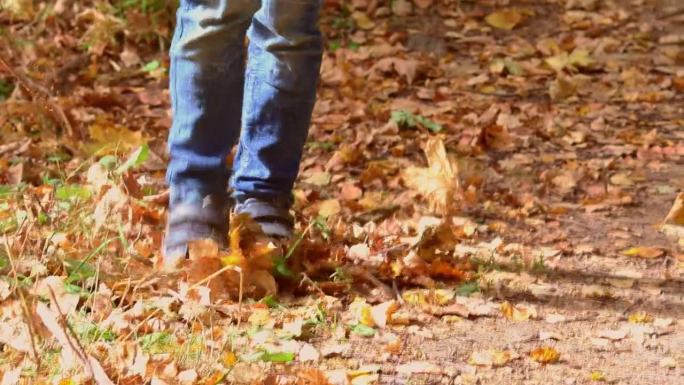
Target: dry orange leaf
[229,359]
[644,252]
[545,355]
[517,313]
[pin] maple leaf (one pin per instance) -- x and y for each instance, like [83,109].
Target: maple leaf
[438,183]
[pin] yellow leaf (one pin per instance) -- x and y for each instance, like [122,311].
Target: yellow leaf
[365,379]
[640,317]
[439,182]
[644,252]
[578,58]
[558,62]
[597,376]
[362,20]
[259,317]
[545,355]
[329,208]
[107,137]
[442,297]
[491,357]
[517,313]
[414,297]
[229,359]
[235,257]
[20,10]
[362,312]
[505,19]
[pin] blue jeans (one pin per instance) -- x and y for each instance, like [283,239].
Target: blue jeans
[219,97]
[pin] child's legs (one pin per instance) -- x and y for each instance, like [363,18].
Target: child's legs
[282,73]
[207,80]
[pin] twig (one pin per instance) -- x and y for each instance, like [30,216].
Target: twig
[240,289]
[400,299]
[139,325]
[67,339]
[672,13]
[305,278]
[10,147]
[24,306]
[43,96]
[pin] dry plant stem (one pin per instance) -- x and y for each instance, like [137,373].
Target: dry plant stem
[219,272]
[93,367]
[44,98]
[138,326]
[306,279]
[24,307]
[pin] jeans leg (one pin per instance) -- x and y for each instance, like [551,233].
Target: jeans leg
[282,73]
[206,82]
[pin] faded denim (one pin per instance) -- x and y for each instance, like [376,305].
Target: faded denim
[219,97]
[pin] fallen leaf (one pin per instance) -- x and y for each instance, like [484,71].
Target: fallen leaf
[668,362]
[439,182]
[644,252]
[382,313]
[362,20]
[640,317]
[518,313]
[555,318]
[402,7]
[614,335]
[423,4]
[11,377]
[491,358]
[505,19]
[676,214]
[187,377]
[320,179]
[71,349]
[562,88]
[597,376]
[419,367]
[308,353]
[545,355]
[329,207]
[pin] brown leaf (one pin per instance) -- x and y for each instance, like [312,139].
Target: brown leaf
[423,3]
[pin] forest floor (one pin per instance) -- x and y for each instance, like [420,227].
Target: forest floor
[491,194]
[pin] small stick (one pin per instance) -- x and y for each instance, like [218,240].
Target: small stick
[305,278]
[44,96]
